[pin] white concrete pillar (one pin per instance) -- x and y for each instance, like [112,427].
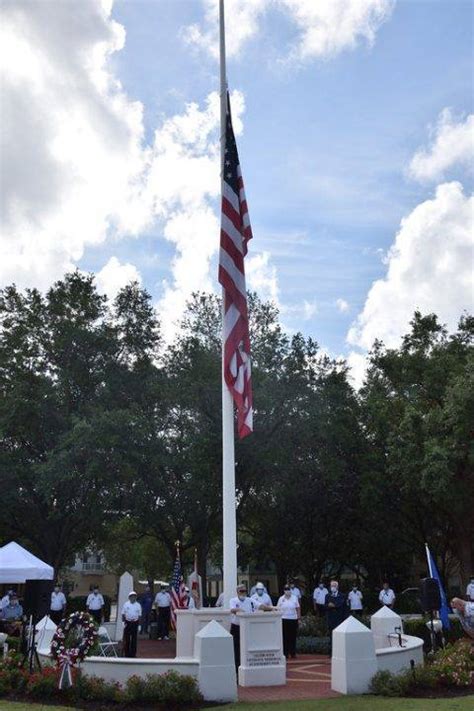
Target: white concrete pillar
[353,657]
[125,587]
[215,652]
[189,622]
[383,623]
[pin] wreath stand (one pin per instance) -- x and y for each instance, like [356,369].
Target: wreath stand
[31,653]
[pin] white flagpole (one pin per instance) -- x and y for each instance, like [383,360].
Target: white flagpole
[428,559]
[229,521]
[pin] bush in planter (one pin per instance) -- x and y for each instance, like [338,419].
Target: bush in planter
[43,684]
[171,689]
[384,683]
[94,688]
[312,626]
[454,664]
[312,645]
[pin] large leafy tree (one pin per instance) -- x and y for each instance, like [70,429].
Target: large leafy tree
[419,408]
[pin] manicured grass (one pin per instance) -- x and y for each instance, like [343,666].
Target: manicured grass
[360,703]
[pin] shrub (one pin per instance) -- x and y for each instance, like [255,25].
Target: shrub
[94,688]
[454,664]
[42,684]
[417,627]
[312,645]
[312,626]
[384,683]
[171,689]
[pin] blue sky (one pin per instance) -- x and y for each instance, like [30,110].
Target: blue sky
[327,143]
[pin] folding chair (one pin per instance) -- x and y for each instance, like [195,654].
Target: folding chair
[106,646]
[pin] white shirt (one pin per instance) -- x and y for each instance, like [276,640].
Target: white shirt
[296,592]
[470,591]
[355,599]
[246,605]
[58,601]
[4,601]
[95,602]
[319,595]
[220,600]
[132,611]
[259,600]
[163,599]
[191,603]
[387,597]
[289,607]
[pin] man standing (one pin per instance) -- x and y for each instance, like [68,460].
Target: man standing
[470,590]
[354,600]
[319,598]
[387,596]
[146,602]
[57,605]
[335,605]
[261,599]
[188,600]
[295,591]
[238,604]
[95,603]
[163,605]
[131,616]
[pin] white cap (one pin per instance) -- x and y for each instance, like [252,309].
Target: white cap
[260,586]
[132,593]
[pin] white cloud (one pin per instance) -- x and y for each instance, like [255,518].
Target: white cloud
[325,27]
[342,305]
[452,143]
[114,276]
[71,140]
[261,276]
[357,363]
[429,268]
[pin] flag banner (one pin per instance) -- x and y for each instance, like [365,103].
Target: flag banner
[235,234]
[177,591]
[444,612]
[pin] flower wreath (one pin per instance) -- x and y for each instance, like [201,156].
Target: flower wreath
[86,634]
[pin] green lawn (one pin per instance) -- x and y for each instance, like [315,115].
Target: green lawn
[345,703]
[360,703]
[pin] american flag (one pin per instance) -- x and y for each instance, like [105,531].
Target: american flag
[235,234]
[177,591]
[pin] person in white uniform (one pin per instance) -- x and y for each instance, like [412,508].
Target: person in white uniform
[239,604]
[470,590]
[95,603]
[319,599]
[295,590]
[261,599]
[387,596]
[288,604]
[189,603]
[57,606]
[354,600]
[163,607]
[131,617]
[6,599]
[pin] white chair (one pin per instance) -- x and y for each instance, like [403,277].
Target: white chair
[106,646]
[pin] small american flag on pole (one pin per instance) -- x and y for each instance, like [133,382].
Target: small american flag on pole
[235,234]
[177,590]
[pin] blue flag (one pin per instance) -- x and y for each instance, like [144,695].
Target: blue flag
[444,612]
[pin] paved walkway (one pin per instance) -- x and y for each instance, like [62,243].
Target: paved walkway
[308,676]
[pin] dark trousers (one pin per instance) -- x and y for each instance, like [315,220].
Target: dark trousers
[357,613]
[163,622]
[56,616]
[145,620]
[130,639]
[320,610]
[97,616]
[290,629]
[235,632]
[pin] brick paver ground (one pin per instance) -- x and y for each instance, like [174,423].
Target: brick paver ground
[308,676]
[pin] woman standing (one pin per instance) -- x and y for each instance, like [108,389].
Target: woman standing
[289,606]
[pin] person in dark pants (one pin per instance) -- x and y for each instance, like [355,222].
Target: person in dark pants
[336,609]
[57,607]
[163,606]
[241,603]
[95,604]
[146,602]
[131,616]
[289,606]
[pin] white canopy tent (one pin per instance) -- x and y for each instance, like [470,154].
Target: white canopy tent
[17,565]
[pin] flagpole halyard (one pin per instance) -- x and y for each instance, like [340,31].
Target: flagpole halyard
[229,519]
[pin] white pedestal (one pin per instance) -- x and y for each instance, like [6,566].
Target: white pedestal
[261,650]
[215,651]
[383,623]
[125,587]
[190,622]
[353,657]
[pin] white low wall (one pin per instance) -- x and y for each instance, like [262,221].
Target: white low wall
[397,659]
[118,669]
